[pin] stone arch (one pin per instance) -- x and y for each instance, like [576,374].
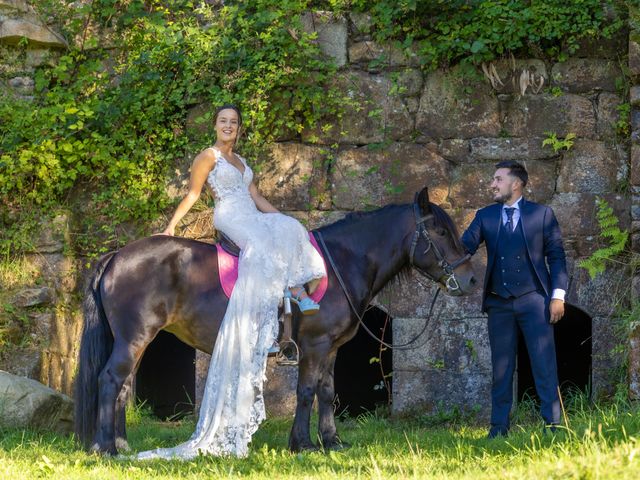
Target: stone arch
[573,339]
[358,381]
[166,378]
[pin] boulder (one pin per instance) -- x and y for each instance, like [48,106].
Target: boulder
[608,114]
[331,33]
[592,167]
[364,178]
[294,177]
[536,115]
[578,75]
[453,106]
[25,403]
[377,114]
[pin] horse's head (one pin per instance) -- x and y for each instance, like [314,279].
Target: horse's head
[436,250]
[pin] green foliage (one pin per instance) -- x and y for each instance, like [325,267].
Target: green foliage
[623,124]
[558,143]
[610,233]
[107,127]
[444,32]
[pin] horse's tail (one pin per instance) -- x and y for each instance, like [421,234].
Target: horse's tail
[95,348]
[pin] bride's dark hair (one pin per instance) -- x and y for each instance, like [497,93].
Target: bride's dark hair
[228,106]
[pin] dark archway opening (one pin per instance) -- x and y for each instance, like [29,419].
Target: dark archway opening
[359,382]
[573,352]
[166,377]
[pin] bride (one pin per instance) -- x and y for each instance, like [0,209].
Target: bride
[276,258]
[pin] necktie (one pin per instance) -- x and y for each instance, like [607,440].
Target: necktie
[509,224]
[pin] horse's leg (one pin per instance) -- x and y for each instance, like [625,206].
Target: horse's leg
[309,373]
[121,419]
[118,368]
[326,394]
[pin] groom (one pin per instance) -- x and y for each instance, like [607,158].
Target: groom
[520,292]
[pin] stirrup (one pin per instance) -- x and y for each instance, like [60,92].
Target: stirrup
[289,354]
[306,305]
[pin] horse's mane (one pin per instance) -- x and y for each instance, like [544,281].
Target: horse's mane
[441,219]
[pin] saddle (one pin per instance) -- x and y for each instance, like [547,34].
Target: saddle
[227,245]
[228,253]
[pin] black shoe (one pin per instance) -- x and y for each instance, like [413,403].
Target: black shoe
[495,432]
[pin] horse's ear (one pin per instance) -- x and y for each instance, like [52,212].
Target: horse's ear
[423,201]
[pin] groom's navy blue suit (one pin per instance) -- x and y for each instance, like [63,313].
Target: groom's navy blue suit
[524,265]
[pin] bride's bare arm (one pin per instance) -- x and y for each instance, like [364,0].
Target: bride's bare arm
[261,202]
[202,165]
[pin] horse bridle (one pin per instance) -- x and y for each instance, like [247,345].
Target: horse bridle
[448,269]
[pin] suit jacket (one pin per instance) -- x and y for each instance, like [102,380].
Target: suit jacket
[542,237]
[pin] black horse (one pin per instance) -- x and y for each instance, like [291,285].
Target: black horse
[169,283]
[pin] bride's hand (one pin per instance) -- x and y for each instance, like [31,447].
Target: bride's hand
[167,231]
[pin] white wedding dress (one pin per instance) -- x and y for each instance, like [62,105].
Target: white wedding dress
[275,254]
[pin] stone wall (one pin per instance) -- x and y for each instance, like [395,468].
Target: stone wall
[447,130]
[634,175]
[43,312]
[444,130]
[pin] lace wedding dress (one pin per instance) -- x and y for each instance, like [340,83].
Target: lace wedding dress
[275,254]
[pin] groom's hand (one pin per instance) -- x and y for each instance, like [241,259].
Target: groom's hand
[556,308]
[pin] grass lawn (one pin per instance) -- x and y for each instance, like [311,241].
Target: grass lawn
[601,442]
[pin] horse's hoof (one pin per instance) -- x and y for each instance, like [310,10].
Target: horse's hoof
[304,447]
[336,446]
[109,451]
[122,445]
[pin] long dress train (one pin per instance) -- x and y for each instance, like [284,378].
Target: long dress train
[275,254]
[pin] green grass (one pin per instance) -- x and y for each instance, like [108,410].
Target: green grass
[601,442]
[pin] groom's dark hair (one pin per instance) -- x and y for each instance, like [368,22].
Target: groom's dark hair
[228,106]
[516,169]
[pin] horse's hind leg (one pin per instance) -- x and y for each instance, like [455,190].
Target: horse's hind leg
[118,368]
[122,444]
[326,395]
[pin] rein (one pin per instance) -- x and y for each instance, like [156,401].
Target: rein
[448,269]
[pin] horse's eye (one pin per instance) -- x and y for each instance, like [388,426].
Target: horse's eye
[441,231]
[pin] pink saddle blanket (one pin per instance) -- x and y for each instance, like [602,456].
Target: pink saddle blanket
[228,271]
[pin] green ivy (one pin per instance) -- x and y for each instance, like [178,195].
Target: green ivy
[108,126]
[444,32]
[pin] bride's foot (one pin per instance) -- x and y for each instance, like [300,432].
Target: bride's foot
[299,296]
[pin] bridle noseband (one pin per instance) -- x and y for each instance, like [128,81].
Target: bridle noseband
[448,269]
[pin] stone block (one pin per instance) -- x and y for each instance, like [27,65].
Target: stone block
[508,75]
[378,114]
[294,177]
[576,212]
[470,183]
[580,75]
[608,114]
[22,85]
[456,150]
[39,57]
[634,57]
[362,178]
[634,95]
[13,30]
[361,23]
[634,364]
[376,57]
[535,115]
[452,106]
[592,167]
[498,149]
[605,361]
[588,294]
[331,33]
[408,82]
[435,391]
[31,297]
[14,6]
